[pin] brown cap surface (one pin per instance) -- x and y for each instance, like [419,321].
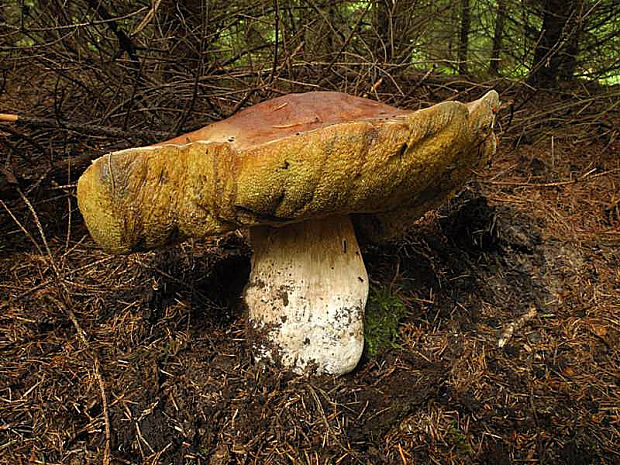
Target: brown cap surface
[286,116]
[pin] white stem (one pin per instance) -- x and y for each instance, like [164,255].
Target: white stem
[306,295]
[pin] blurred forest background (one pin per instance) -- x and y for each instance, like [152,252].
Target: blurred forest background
[142,359]
[166,66]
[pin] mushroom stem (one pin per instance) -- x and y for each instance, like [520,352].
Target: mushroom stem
[306,295]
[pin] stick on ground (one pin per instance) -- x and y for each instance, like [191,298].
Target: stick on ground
[516,325]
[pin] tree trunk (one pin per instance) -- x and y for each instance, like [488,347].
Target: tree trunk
[320,31]
[464,36]
[498,35]
[568,57]
[557,48]
[382,19]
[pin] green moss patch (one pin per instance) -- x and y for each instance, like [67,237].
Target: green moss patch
[384,311]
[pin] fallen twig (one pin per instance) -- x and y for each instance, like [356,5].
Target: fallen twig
[586,176]
[84,128]
[97,371]
[510,328]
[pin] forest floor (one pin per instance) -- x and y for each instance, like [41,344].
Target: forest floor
[143,358]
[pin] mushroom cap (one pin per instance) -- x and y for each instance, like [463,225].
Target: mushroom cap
[283,161]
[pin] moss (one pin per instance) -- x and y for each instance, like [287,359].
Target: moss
[384,311]
[457,437]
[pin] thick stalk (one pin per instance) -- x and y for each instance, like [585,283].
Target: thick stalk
[306,295]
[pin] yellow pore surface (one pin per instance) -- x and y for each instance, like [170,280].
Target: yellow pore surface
[146,197]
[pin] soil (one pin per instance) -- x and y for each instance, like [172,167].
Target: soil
[151,347]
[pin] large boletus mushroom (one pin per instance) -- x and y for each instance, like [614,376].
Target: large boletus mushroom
[292,170]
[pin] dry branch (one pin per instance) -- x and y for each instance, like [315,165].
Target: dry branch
[516,325]
[84,128]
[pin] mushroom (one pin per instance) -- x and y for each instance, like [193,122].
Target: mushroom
[292,170]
